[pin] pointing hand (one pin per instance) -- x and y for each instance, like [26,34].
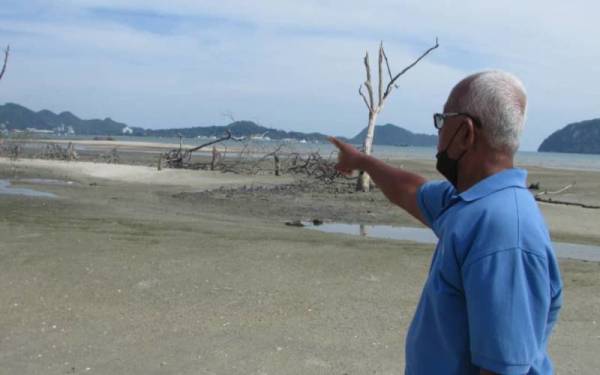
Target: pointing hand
[349,157]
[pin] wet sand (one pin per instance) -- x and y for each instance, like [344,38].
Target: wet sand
[136,271]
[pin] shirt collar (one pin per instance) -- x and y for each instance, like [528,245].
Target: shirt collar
[513,177]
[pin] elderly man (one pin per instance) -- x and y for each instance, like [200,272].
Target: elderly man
[493,291]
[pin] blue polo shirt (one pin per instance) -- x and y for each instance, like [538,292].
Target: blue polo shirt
[494,290]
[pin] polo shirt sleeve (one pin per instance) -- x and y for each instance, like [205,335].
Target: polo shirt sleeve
[508,296]
[432,198]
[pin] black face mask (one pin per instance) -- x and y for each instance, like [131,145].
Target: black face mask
[447,166]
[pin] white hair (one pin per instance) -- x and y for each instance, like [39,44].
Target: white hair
[498,100]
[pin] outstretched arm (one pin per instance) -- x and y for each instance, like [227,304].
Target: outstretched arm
[399,186]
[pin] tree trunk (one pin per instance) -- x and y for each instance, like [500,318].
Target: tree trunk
[277,164]
[364,181]
[215,158]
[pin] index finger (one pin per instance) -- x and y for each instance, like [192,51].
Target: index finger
[336,142]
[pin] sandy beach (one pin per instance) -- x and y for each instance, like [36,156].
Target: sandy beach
[131,270]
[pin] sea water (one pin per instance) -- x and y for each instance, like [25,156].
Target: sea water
[530,158]
[7,189]
[426,236]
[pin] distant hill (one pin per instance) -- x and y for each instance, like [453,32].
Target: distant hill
[16,117]
[392,135]
[238,129]
[581,137]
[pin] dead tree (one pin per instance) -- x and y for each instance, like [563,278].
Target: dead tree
[55,151]
[10,149]
[229,115]
[112,157]
[180,158]
[71,152]
[6,53]
[277,165]
[314,166]
[216,158]
[375,105]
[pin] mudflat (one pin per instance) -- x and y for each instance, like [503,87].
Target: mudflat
[137,271]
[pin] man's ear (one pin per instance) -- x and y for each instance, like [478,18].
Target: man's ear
[467,138]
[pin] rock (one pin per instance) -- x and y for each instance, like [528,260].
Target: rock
[295,223]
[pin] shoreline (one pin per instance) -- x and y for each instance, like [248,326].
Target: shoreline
[261,148]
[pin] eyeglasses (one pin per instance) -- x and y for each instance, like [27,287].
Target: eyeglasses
[438,118]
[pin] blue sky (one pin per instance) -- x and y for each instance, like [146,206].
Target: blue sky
[290,64]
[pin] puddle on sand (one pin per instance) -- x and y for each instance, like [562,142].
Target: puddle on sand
[6,189]
[425,235]
[45,181]
[420,235]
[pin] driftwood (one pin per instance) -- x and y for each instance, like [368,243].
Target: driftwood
[182,158]
[561,190]
[239,165]
[55,151]
[553,201]
[257,165]
[252,159]
[11,150]
[313,165]
[112,157]
[538,197]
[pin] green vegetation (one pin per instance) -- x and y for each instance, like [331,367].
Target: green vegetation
[14,117]
[581,137]
[392,135]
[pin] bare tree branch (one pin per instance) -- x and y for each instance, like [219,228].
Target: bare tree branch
[6,53]
[229,115]
[380,70]
[364,98]
[368,82]
[391,83]
[363,183]
[387,63]
[180,158]
[224,138]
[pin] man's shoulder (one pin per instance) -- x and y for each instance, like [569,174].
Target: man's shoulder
[432,198]
[435,188]
[507,204]
[504,220]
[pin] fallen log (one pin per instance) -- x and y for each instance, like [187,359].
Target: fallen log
[561,190]
[552,201]
[180,158]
